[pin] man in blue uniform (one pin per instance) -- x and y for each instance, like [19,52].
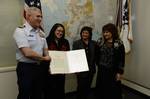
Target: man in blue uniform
[31,50]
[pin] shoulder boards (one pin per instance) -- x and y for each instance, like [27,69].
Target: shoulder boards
[22,26]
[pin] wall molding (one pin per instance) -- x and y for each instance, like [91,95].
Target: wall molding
[136,86]
[7,69]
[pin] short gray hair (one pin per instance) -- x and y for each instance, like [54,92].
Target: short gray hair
[32,9]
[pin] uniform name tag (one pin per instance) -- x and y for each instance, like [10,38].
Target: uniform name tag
[31,37]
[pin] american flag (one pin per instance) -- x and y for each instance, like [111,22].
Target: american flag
[124,23]
[31,3]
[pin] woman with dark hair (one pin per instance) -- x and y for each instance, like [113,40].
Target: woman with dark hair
[110,61]
[56,41]
[84,79]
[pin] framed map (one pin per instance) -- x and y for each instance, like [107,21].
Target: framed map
[73,14]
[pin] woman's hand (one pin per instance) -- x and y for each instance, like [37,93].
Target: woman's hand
[119,77]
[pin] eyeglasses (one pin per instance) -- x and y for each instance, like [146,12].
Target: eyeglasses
[59,30]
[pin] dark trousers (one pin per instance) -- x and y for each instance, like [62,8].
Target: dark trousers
[106,85]
[55,87]
[30,80]
[84,81]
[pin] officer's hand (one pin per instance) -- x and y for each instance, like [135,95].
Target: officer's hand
[46,58]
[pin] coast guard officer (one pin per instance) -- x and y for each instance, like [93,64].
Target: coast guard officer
[31,50]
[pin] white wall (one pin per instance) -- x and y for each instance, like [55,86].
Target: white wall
[10,12]
[8,83]
[137,68]
[137,62]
